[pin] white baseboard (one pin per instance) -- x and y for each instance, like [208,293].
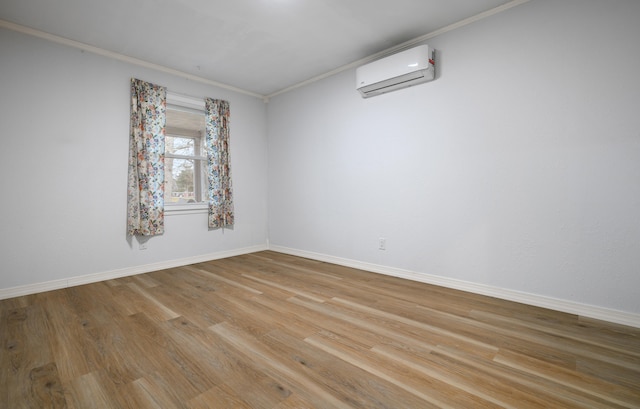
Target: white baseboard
[585,310]
[571,307]
[124,272]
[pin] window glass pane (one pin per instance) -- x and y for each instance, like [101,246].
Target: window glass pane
[184,181]
[185,178]
[185,123]
[180,146]
[179,180]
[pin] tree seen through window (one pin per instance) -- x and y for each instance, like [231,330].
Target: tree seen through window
[185,170]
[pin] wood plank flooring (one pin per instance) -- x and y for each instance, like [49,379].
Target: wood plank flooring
[268,330]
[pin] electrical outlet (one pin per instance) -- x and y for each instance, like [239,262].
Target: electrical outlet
[382,243]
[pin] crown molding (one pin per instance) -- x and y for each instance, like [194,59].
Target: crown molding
[121,57]
[402,46]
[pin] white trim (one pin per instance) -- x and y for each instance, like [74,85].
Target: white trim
[188,101]
[189,157]
[571,307]
[100,51]
[600,313]
[120,57]
[180,209]
[404,45]
[124,272]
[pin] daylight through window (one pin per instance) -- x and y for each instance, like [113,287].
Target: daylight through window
[185,160]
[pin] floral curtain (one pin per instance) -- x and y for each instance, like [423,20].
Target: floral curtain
[145,192]
[219,167]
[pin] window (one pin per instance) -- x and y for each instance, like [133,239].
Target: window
[185,161]
[169,135]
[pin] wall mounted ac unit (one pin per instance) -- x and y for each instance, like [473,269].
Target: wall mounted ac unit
[404,69]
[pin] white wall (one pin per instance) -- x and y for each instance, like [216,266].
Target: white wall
[518,168]
[64,131]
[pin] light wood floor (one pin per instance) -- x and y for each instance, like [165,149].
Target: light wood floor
[268,330]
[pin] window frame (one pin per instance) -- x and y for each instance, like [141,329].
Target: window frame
[190,104]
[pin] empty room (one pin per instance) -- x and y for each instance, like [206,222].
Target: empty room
[320,204]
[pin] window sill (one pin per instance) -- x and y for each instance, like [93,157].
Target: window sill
[175,210]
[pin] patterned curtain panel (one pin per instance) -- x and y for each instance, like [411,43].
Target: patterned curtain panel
[219,167]
[145,193]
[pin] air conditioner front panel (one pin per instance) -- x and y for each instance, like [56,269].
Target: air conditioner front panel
[406,68]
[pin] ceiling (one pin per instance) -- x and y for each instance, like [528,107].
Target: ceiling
[260,46]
